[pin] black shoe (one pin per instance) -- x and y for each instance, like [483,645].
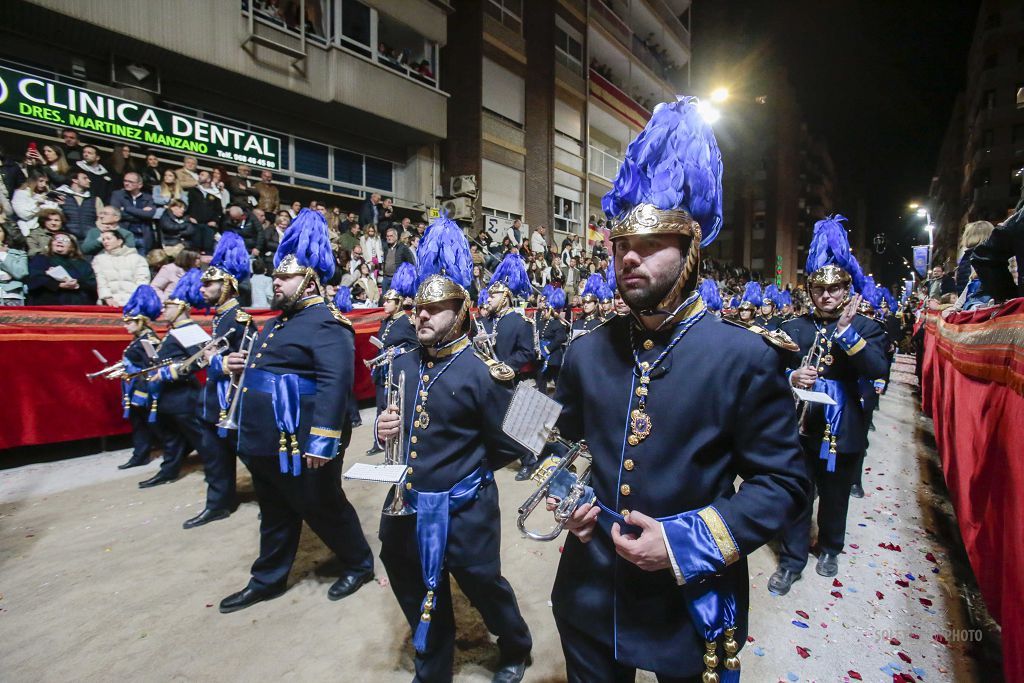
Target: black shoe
[524,472]
[857,491]
[205,517]
[155,480]
[782,580]
[357,423]
[511,673]
[247,597]
[375,450]
[828,565]
[132,463]
[349,584]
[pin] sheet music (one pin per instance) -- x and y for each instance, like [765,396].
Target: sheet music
[148,347]
[190,335]
[58,273]
[814,396]
[530,418]
[384,474]
[578,333]
[376,342]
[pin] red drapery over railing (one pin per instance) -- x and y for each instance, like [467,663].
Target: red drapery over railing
[972,387]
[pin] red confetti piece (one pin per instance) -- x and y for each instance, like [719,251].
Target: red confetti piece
[209,604]
[939,638]
[926,602]
[823,625]
[904,656]
[915,636]
[902,582]
[802,613]
[894,642]
[880,595]
[930,558]
[836,583]
[855,546]
[803,652]
[561,548]
[854,675]
[837,594]
[750,639]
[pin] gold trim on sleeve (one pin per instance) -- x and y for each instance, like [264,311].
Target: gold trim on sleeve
[720,532]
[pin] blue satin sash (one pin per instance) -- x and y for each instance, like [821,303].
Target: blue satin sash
[285,391]
[433,510]
[833,416]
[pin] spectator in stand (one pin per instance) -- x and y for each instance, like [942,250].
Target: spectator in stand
[242,188]
[72,146]
[151,173]
[54,165]
[205,207]
[539,243]
[405,228]
[515,234]
[176,228]
[373,249]
[294,209]
[350,240]
[387,214]
[999,260]
[350,217]
[29,199]
[360,299]
[188,174]
[558,269]
[368,282]
[121,163]
[395,254]
[80,207]
[102,181]
[78,289]
[478,283]
[334,220]
[119,270]
[355,262]
[262,285]
[219,179]
[371,211]
[13,267]
[137,211]
[237,220]
[271,238]
[974,234]
[478,258]
[269,196]
[109,219]
[940,283]
[167,277]
[166,190]
[49,222]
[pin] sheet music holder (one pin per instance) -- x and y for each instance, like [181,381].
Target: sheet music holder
[190,335]
[530,418]
[813,396]
[384,474]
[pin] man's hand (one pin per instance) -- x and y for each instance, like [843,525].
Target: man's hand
[647,550]
[313,462]
[388,424]
[804,377]
[846,317]
[208,353]
[582,521]
[235,362]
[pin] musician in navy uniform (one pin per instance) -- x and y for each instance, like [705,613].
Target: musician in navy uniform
[554,335]
[513,331]
[292,421]
[749,304]
[396,330]
[708,290]
[221,282]
[141,309]
[455,399]
[654,576]
[606,302]
[174,388]
[483,313]
[870,390]
[589,299]
[767,318]
[848,347]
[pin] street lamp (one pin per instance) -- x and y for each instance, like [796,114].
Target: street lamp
[923,212]
[719,95]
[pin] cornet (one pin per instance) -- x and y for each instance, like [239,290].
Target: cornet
[394,447]
[229,419]
[559,479]
[110,372]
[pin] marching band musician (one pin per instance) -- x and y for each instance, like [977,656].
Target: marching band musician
[767,318]
[554,335]
[292,426]
[228,268]
[870,391]
[591,317]
[340,306]
[709,293]
[606,304]
[457,399]
[141,309]
[396,331]
[513,331]
[847,347]
[654,576]
[749,304]
[175,389]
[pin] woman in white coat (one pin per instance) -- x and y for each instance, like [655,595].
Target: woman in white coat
[119,270]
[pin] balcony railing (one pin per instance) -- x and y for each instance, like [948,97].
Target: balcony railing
[602,164]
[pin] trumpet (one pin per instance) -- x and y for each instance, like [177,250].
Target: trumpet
[229,419]
[811,360]
[394,447]
[151,368]
[110,372]
[482,340]
[558,478]
[385,356]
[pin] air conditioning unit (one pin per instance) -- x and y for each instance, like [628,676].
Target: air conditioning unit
[459,208]
[464,186]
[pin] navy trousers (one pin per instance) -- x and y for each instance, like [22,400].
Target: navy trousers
[588,660]
[219,465]
[181,435]
[144,434]
[314,497]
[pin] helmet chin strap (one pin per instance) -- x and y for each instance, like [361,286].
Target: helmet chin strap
[298,293]
[455,331]
[835,313]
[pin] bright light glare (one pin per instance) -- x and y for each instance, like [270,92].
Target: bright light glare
[708,111]
[929,227]
[719,95]
[921,213]
[913,206]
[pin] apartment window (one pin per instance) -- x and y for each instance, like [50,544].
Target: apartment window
[568,46]
[509,13]
[567,215]
[504,93]
[355,27]
[502,187]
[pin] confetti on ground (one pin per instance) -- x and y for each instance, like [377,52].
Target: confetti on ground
[800,624]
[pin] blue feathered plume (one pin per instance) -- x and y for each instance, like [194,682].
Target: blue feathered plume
[482,297]
[785,298]
[592,285]
[512,273]
[604,292]
[143,301]
[444,250]
[404,280]
[752,293]
[557,299]
[187,289]
[674,163]
[830,245]
[232,257]
[771,293]
[609,277]
[307,238]
[870,291]
[546,291]
[343,299]
[734,302]
[709,292]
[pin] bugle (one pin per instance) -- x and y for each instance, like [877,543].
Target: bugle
[110,372]
[394,447]
[229,419]
[558,478]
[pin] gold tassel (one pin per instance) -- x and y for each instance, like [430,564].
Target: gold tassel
[711,662]
[428,605]
[732,662]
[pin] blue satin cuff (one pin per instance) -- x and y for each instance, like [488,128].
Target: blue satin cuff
[850,340]
[833,417]
[215,370]
[693,545]
[322,446]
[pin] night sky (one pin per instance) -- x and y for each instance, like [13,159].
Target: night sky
[876,78]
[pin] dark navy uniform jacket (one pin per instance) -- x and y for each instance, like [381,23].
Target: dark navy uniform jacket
[397,330]
[719,409]
[466,407]
[314,345]
[859,354]
[554,335]
[180,393]
[228,316]
[513,343]
[136,358]
[587,323]
[770,324]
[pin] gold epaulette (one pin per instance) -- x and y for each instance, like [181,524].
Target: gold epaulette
[499,371]
[242,317]
[776,338]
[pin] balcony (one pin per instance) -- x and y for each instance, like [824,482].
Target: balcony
[602,164]
[611,95]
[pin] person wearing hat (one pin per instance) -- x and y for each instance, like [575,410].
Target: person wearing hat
[848,347]
[448,520]
[709,293]
[340,306]
[396,333]
[590,300]
[229,267]
[174,388]
[554,335]
[513,331]
[293,429]
[870,391]
[767,317]
[654,575]
[141,309]
[749,304]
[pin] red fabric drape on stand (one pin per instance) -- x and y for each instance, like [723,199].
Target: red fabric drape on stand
[973,388]
[45,352]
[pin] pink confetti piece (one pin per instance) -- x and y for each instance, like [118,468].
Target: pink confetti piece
[837,594]
[803,652]
[854,675]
